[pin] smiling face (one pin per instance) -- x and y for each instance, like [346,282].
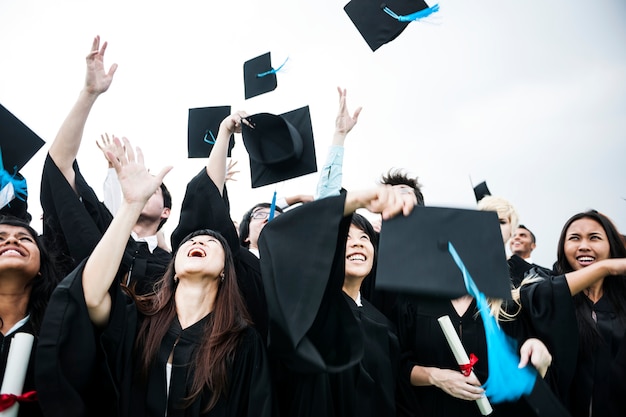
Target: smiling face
[522,243]
[202,256]
[18,251]
[359,253]
[585,243]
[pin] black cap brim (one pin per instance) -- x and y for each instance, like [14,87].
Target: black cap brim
[202,128]
[280,147]
[414,256]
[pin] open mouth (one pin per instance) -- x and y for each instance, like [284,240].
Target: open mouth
[357,257]
[196,253]
[585,260]
[11,251]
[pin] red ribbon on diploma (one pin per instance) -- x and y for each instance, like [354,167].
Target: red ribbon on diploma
[7,400]
[466,369]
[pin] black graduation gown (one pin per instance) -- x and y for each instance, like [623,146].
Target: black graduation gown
[110,354]
[204,208]
[336,359]
[26,409]
[600,379]
[74,224]
[423,343]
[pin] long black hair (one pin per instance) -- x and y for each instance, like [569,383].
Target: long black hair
[43,283]
[613,288]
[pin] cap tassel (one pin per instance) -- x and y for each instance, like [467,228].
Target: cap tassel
[272,208]
[20,189]
[506,382]
[413,16]
[207,140]
[272,71]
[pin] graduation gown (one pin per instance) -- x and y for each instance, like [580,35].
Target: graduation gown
[204,208]
[423,343]
[26,409]
[335,359]
[82,352]
[74,223]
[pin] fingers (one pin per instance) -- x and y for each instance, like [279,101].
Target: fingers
[130,154]
[355,116]
[163,173]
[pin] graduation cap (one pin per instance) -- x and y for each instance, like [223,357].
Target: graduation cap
[481,191]
[259,77]
[280,147]
[18,144]
[413,253]
[202,128]
[380,22]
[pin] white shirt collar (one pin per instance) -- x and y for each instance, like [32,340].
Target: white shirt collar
[152,241]
[358,300]
[18,325]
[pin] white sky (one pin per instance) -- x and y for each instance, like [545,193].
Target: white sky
[527,95]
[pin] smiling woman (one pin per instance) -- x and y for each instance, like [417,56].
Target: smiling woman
[187,349]
[27,279]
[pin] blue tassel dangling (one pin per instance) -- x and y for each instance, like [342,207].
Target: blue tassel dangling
[506,382]
[272,208]
[413,16]
[19,185]
[272,71]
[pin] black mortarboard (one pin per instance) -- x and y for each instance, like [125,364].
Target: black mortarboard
[481,191]
[413,253]
[18,144]
[258,76]
[280,147]
[381,21]
[202,128]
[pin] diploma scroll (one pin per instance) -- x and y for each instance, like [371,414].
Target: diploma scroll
[461,357]
[15,373]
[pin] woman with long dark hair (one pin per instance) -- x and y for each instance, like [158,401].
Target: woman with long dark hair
[581,314]
[186,350]
[27,278]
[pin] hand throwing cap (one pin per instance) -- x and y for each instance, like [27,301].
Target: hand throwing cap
[202,128]
[413,253]
[280,147]
[381,21]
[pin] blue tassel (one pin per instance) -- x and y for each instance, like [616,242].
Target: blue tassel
[19,185]
[506,382]
[209,141]
[413,16]
[272,71]
[272,208]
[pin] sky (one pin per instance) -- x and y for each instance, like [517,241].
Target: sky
[529,96]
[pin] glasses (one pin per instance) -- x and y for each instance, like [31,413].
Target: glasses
[262,215]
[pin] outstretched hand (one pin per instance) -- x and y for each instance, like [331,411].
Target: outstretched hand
[534,351]
[137,183]
[97,81]
[107,145]
[233,122]
[344,122]
[387,200]
[231,171]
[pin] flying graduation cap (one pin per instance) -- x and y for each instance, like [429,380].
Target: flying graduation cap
[280,147]
[414,258]
[381,21]
[18,144]
[259,76]
[202,128]
[481,191]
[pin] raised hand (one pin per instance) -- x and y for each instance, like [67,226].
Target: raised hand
[108,145]
[137,183]
[98,81]
[344,122]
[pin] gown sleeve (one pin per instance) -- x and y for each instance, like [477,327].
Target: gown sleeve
[312,328]
[71,378]
[549,308]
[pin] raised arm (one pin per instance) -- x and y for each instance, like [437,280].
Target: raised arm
[331,174]
[216,165]
[101,267]
[65,146]
[586,277]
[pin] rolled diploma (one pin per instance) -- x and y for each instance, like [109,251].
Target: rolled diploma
[15,374]
[461,357]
